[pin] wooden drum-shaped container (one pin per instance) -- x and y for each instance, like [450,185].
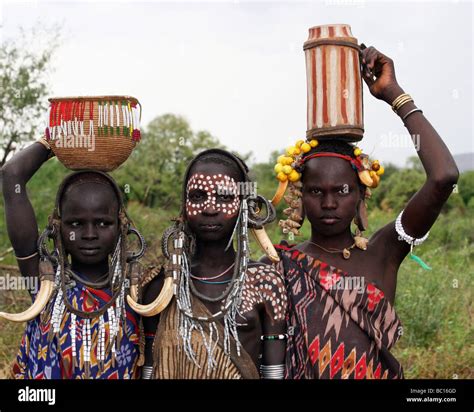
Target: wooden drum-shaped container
[334,84]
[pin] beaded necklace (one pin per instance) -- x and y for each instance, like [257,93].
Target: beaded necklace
[212,277]
[231,297]
[115,309]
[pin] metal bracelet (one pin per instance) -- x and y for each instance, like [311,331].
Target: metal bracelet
[147,372]
[410,112]
[272,371]
[26,257]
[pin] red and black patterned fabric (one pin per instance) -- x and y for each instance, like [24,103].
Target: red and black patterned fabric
[334,332]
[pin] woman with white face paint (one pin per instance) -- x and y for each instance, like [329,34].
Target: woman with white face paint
[227,317]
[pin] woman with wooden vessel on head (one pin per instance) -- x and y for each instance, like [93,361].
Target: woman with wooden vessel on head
[341,286]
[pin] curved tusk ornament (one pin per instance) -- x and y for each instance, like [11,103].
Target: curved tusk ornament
[42,298]
[158,305]
[280,192]
[266,244]
[134,292]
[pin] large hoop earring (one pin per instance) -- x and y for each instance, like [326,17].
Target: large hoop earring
[136,255]
[171,232]
[255,206]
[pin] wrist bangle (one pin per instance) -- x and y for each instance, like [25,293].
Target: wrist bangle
[272,371]
[45,143]
[410,112]
[147,372]
[406,237]
[400,101]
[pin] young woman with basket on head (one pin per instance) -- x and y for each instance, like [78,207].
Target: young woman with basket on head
[79,325]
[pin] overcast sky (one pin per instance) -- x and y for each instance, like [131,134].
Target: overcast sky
[237,69]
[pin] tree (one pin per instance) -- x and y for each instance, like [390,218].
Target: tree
[154,172]
[414,163]
[401,186]
[379,194]
[23,89]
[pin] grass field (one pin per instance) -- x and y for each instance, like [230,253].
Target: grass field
[436,307]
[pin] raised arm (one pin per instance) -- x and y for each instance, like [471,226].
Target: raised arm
[423,208]
[19,214]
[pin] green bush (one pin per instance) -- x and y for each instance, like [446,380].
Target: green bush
[465,186]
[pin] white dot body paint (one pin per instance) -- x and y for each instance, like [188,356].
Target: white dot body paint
[213,186]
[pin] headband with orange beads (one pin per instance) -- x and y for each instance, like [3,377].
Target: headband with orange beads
[289,164]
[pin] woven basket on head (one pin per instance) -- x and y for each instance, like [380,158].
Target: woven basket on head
[93,132]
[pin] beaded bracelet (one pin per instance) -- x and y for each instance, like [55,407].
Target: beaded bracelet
[407,238]
[411,241]
[274,337]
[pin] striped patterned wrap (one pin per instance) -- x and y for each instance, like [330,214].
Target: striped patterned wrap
[334,84]
[171,362]
[93,132]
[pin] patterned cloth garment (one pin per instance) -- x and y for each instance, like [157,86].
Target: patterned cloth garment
[39,358]
[336,332]
[263,285]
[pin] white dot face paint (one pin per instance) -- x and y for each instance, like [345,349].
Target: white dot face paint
[205,190]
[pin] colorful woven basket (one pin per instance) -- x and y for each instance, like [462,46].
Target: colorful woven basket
[93,132]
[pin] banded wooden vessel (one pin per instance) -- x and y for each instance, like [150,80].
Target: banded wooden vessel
[334,84]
